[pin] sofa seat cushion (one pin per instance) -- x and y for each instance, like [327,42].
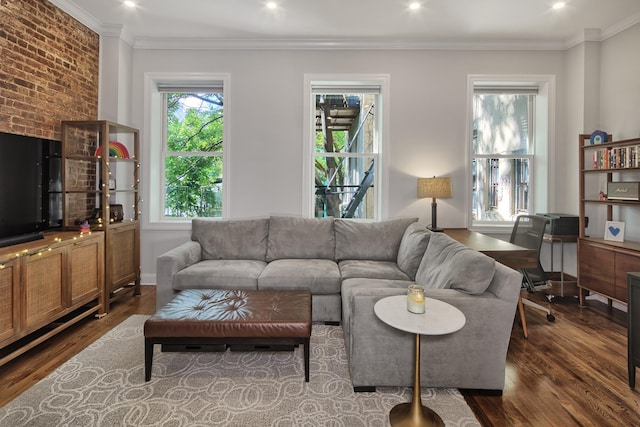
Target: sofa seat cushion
[321,276]
[377,241]
[449,264]
[231,239]
[350,269]
[310,238]
[219,274]
[414,242]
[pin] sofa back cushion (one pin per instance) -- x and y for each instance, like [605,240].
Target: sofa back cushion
[449,264]
[377,241]
[231,239]
[301,238]
[412,246]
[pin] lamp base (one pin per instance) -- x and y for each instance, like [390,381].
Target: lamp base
[434,217]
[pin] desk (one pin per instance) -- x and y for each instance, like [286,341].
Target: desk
[506,253]
[439,318]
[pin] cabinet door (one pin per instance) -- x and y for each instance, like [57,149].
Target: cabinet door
[596,268]
[624,263]
[9,298]
[123,259]
[85,273]
[44,296]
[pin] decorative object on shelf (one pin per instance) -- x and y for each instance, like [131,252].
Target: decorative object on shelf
[440,188]
[602,196]
[598,137]
[85,227]
[112,184]
[415,299]
[116,213]
[116,149]
[623,190]
[614,231]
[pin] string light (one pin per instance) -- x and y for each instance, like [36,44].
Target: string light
[40,251]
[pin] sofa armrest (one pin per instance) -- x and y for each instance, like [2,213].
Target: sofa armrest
[169,263]
[506,283]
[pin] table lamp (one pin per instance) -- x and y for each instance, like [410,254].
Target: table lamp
[435,188]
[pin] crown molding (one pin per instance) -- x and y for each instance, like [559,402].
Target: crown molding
[597,35]
[620,26]
[118,31]
[588,35]
[79,14]
[337,44]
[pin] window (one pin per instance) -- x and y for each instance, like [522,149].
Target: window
[346,163]
[193,150]
[508,151]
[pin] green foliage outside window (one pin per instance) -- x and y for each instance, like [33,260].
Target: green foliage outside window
[194,155]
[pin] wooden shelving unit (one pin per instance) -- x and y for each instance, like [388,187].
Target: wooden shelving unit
[603,264]
[101,189]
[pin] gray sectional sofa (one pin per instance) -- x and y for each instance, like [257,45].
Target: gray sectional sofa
[348,266]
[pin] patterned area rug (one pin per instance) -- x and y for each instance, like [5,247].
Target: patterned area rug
[104,386]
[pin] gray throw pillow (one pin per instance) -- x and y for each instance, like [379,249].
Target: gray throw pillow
[231,239]
[300,238]
[377,240]
[449,264]
[414,243]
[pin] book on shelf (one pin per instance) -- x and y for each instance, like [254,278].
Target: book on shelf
[616,157]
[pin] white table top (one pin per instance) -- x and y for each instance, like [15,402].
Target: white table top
[439,318]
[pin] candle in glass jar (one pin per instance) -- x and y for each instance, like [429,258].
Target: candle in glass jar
[415,299]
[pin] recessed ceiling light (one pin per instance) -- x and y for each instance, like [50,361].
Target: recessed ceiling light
[129,3]
[272,5]
[414,5]
[559,5]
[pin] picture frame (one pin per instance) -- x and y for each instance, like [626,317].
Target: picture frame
[614,231]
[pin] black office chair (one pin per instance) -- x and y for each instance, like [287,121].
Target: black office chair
[528,232]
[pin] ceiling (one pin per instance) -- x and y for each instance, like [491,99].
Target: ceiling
[371,24]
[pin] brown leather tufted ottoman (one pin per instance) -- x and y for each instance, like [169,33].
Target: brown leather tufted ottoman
[256,317]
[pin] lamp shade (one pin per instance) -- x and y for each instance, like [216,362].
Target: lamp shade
[439,188]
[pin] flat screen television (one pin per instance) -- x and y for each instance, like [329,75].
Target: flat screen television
[30,188]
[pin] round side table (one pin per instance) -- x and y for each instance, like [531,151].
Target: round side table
[439,318]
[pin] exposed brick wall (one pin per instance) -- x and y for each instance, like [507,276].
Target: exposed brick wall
[48,69]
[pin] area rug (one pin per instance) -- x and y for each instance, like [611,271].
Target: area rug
[104,386]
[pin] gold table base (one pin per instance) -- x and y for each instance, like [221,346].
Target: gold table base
[414,413]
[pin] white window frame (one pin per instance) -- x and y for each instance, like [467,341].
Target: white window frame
[382,116]
[541,172]
[155,127]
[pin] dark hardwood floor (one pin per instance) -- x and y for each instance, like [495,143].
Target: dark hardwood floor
[572,372]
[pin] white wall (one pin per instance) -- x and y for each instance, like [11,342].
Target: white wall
[620,84]
[116,62]
[428,119]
